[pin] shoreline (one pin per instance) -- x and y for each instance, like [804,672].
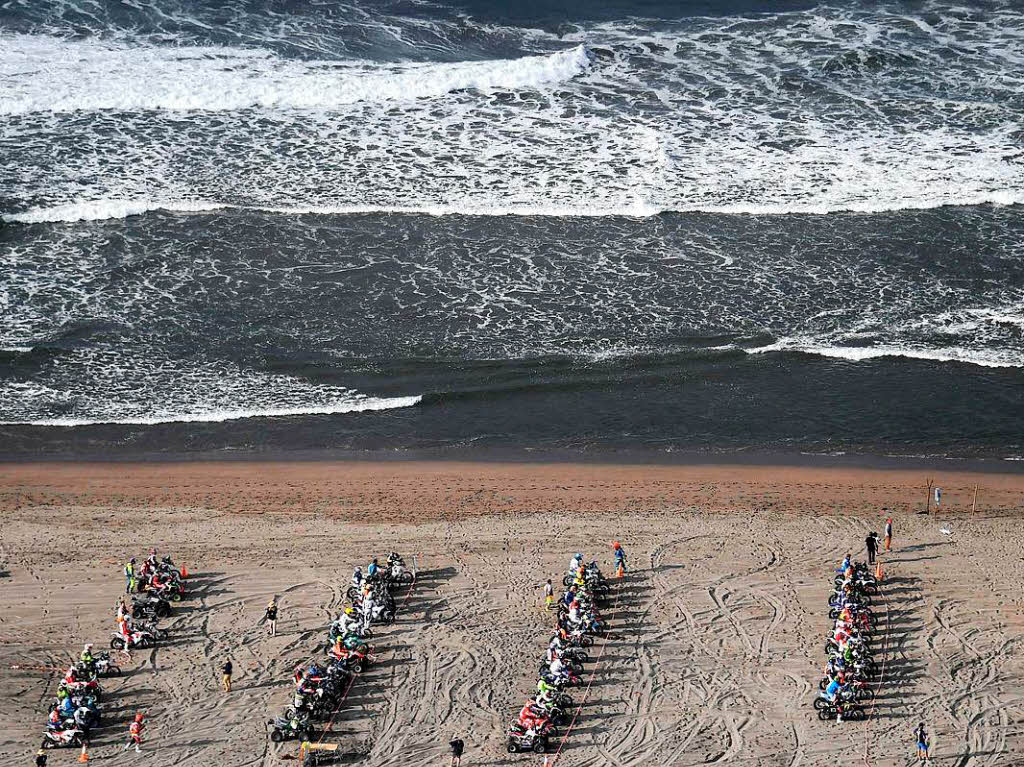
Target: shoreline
[638,457]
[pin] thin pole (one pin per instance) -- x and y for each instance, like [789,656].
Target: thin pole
[974,506]
[928,499]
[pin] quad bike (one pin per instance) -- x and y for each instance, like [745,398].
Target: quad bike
[522,739]
[289,728]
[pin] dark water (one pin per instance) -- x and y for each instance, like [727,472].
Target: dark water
[591,228]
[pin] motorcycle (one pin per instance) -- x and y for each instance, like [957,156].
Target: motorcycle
[150,605]
[69,737]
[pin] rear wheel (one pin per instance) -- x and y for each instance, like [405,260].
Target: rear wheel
[513,747]
[113,670]
[826,714]
[408,577]
[276,735]
[856,715]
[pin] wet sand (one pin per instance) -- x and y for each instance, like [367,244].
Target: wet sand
[718,631]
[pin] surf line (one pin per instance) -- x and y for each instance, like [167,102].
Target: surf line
[550,762]
[880,681]
[352,679]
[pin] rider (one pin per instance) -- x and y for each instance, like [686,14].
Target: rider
[575,563]
[357,577]
[371,571]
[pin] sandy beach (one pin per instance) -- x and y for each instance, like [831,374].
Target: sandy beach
[717,633]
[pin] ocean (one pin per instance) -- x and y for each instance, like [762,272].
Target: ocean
[601,228]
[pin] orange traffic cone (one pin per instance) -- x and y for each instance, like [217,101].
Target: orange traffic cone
[878,571]
[184,571]
[620,571]
[84,756]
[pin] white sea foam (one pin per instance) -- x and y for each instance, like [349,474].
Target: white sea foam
[48,74]
[868,113]
[98,210]
[993,358]
[217,416]
[135,386]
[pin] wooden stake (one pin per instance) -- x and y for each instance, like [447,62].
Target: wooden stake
[928,500]
[974,506]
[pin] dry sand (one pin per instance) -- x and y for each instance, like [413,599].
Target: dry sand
[718,635]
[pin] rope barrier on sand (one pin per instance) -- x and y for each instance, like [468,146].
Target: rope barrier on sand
[881,678]
[550,761]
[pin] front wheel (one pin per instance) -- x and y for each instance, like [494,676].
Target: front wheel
[76,740]
[856,715]
[277,736]
[113,670]
[407,578]
[820,704]
[826,714]
[116,644]
[175,597]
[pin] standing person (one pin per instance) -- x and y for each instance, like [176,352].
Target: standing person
[457,747]
[135,734]
[225,672]
[40,758]
[549,594]
[922,744]
[129,575]
[271,617]
[888,533]
[871,543]
[620,558]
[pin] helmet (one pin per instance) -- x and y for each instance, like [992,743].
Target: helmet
[616,545]
[358,569]
[88,646]
[350,611]
[152,551]
[138,717]
[133,560]
[579,556]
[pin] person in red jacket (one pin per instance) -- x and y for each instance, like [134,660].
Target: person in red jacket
[135,733]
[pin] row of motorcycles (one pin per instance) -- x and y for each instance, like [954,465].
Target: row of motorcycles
[320,687]
[847,684]
[578,621]
[76,713]
[159,583]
